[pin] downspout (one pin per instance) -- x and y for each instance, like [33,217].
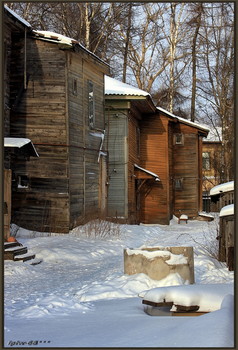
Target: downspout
[101,145]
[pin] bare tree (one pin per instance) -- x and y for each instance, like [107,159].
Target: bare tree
[196,23]
[216,89]
[181,53]
[173,41]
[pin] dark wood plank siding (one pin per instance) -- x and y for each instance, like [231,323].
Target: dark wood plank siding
[85,142]
[75,105]
[186,169]
[93,135]
[200,174]
[6,73]
[39,114]
[47,93]
[154,157]
[170,156]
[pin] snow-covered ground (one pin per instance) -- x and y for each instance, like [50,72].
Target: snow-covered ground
[79,295]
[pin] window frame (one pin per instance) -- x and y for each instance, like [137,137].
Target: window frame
[91,104]
[75,86]
[178,184]
[23,182]
[179,141]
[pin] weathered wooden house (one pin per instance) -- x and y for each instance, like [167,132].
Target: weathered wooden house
[155,158]
[15,149]
[56,99]
[211,165]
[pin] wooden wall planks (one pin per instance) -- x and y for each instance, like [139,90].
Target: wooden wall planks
[64,180]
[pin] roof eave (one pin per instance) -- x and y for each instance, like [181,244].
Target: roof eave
[72,45]
[176,119]
[124,97]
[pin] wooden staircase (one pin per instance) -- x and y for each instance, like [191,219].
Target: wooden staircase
[17,252]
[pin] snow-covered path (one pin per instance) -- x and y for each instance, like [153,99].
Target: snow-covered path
[80,285]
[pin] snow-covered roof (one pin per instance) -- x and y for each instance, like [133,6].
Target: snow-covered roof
[20,19]
[225,187]
[227,210]
[59,38]
[185,121]
[116,87]
[16,142]
[62,39]
[148,172]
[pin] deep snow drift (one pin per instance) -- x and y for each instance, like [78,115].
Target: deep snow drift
[79,296]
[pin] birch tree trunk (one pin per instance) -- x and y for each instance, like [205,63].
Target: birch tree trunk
[127,40]
[194,61]
[174,28]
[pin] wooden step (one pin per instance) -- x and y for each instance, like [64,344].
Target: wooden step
[24,257]
[11,253]
[17,252]
[34,261]
[20,251]
[11,245]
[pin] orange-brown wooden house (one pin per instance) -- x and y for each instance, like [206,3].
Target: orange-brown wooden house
[155,158]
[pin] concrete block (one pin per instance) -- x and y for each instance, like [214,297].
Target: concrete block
[159,262]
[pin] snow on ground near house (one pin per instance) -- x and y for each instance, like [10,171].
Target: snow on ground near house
[79,296]
[208,297]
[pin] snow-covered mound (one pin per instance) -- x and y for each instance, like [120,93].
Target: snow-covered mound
[208,297]
[79,295]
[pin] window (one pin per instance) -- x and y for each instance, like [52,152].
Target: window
[206,161]
[75,87]
[22,181]
[91,104]
[178,139]
[178,184]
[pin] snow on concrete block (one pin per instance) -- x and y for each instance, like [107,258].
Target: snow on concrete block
[159,262]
